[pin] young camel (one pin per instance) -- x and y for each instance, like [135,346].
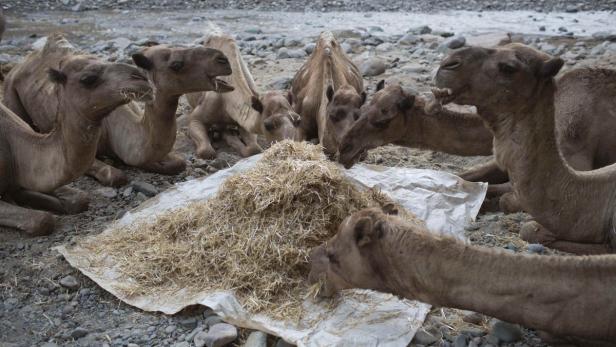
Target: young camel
[139,138]
[568,297]
[397,116]
[514,90]
[241,115]
[33,166]
[327,92]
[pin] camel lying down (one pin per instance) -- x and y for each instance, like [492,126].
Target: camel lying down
[568,297]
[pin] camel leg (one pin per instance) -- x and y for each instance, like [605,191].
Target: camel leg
[172,164]
[73,200]
[198,134]
[487,172]
[32,222]
[107,175]
[509,203]
[533,232]
[64,200]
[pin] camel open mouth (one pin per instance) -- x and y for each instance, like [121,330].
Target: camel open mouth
[142,95]
[444,95]
[221,86]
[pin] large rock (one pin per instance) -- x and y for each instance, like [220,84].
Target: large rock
[285,53]
[372,67]
[256,339]
[69,282]
[506,332]
[220,335]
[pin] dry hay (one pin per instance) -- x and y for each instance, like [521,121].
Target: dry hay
[253,237]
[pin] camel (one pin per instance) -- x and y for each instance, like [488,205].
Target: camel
[569,297]
[514,91]
[327,92]
[395,115]
[139,138]
[34,167]
[241,115]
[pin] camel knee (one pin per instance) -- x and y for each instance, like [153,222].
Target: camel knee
[40,224]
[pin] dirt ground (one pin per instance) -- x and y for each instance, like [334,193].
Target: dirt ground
[36,309]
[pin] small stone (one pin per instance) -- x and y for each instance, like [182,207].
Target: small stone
[455,42]
[421,30]
[213,320]
[422,337]
[372,67]
[181,344]
[506,332]
[132,345]
[143,187]
[79,332]
[200,339]
[571,9]
[280,83]
[472,332]
[542,28]
[563,29]
[460,341]
[283,343]
[170,329]
[408,40]
[189,323]
[473,318]
[220,335]
[69,282]
[49,344]
[107,192]
[254,31]
[535,248]
[309,48]
[256,339]
[127,192]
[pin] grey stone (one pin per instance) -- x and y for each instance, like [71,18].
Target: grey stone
[535,248]
[472,332]
[542,28]
[283,343]
[213,320]
[189,323]
[408,40]
[506,332]
[563,29]
[220,335]
[107,192]
[460,341]
[473,318]
[79,332]
[571,8]
[598,50]
[121,43]
[421,30]
[39,43]
[69,282]
[309,48]
[455,42]
[422,337]
[256,339]
[254,31]
[181,344]
[384,47]
[199,339]
[146,188]
[170,329]
[372,67]
[604,35]
[285,53]
[49,344]
[281,83]
[347,33]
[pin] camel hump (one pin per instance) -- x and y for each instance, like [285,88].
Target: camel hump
[56,42]
[214,32]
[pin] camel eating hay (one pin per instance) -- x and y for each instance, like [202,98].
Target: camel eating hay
[254,236]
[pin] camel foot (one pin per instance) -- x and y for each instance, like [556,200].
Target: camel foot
[206,153]
[487,172]
[533,232]
[31,222]
[509,203]
[73,200]
[107,175]
[250,151]
[172,165]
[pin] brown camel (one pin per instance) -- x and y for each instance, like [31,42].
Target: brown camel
[139,138]
[34,166]
[568,297]
[514,90]
[327,92]
[241,115]
[395,115]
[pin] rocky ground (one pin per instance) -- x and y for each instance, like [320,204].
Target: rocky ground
[47,303]
[320,5]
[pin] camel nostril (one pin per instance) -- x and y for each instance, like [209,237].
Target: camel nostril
[451,65]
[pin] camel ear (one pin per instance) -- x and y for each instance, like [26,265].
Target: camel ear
[380,85]
[407,102]
[363,96]
[330,93]
[551,67]
[142,61]
[57,76]
[256,104]
[380,228]
[390,209]
[290,97]
[364,233]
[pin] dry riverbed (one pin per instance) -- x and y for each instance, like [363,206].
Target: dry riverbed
[46,302]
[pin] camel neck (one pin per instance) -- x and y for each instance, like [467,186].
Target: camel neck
[448,131]
[161,110]
[552,293]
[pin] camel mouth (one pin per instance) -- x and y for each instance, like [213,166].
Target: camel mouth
[444,96]
[348,160]
[142,94]
[221,86]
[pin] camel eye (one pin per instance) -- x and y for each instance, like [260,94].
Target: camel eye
[507,69]
[380,124]
[89,80]
[176,66]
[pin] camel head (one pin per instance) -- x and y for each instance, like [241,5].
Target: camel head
[180,70]
[279,119]
[502,80]
[94,88]
[381,122]
[345,261]
[343,107]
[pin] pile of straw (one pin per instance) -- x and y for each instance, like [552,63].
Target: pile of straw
[253,237]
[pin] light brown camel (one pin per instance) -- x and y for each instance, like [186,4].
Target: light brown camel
[139,138]
[397,116]
[569,297]
[514,90]
[34,166]
[327,92]
[241,115]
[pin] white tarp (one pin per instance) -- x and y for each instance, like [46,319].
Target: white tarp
[361,317]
